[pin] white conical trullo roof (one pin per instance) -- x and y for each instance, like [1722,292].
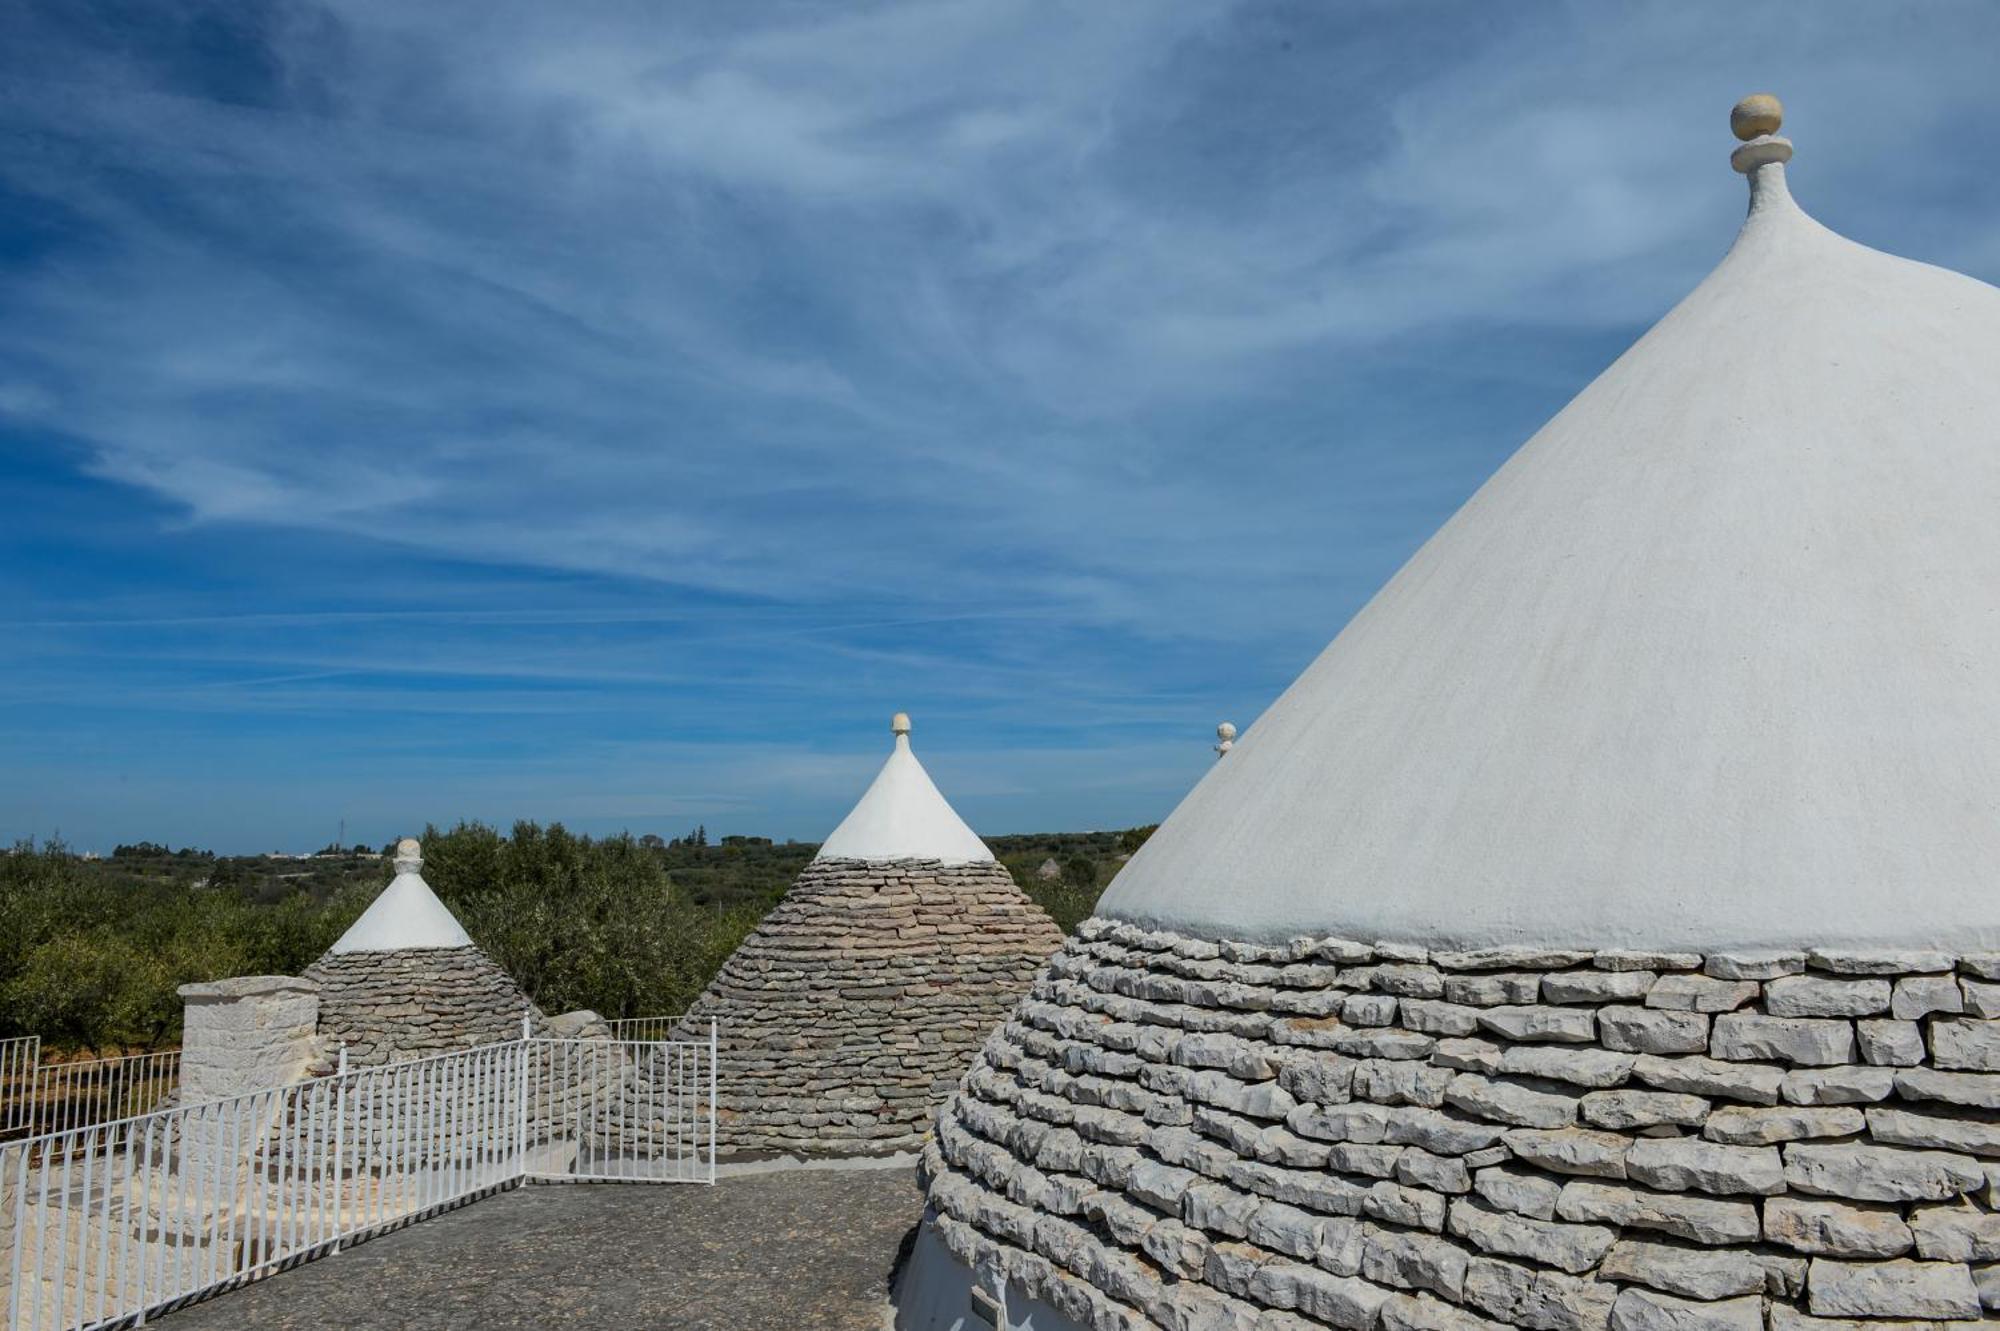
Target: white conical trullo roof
[407,916]
[1713,661]
[903,817]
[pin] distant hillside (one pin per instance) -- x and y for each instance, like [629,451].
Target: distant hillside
[92,950]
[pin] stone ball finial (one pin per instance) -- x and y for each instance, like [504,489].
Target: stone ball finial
[409,855]
[1225,738]
[1756,115]
[899,724]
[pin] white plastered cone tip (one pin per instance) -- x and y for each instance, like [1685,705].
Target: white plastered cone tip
[902,816]
[407,916]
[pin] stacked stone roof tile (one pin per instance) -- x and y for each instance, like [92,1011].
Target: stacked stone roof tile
[1176,1132]
[850,1012]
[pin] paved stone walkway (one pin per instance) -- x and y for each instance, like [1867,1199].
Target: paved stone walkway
[766,1252]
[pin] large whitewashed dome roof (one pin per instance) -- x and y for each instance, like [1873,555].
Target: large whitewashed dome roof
[902,816]
[1713,661]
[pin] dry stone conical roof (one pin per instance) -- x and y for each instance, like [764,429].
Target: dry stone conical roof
[406,980]
[1601,935]
[850,1011]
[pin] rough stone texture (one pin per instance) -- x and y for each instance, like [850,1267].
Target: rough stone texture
[849,1013]
[244,1034]
[1537,1141]
[389,1007]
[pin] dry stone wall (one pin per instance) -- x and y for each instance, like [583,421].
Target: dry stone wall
[851,1010]
[389,1007]
[1182,1133]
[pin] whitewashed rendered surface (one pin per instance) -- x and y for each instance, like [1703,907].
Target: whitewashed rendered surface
[405,917]
[902,816]
[1713,661]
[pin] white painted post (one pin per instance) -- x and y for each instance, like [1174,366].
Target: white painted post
[713,1045]
[339,1146]
[521,1103]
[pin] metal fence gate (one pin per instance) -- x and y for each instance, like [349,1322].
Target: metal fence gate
[106,1224]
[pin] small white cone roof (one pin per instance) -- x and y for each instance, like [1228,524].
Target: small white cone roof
[903,817]
[1712,662]
[407,916]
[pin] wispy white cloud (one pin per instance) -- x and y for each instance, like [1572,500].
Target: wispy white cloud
[1153,336]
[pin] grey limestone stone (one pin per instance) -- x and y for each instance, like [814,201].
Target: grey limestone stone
[1898,1288]
[1753,1083]
[1341,1123]
[1571,1150]
[1700,993]
[1368,1009]
[1539,1022]
[1981,997]
[1821,996]
[1974,1089]
[1921,995]
[1967,1043]
[1986,965]
[1492,989]
[1838,1086]
[1543,1300]
[1879,1173]
[1401,1082]
[1418,1208]
[1523,1191]
[1641,1030]
[1945,1129]
[1434,1016]
[1825,1228]
[1628,1109]
[1878,961]
[1318,1078]
[1413,1261]
[1439,1173]
[1649,1310]
[1805,1040]
[1700,1219]
[1510,1102]
[1354,1158]
[1890,1043]
[1510,958]
[1579,1067]
[1682,1164]
[1692,1272]
[1956,1233]
[1420,1312]
[1753,965]
[1629,959]
[1570,1247]
[1441,1132]
[1468,1055]
[1740,1125]
[1597,986]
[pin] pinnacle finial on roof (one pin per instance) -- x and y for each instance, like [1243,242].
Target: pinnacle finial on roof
[1756,120]
[899,724]
[409,855]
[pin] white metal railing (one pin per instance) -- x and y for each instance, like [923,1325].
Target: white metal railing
[84,1091]
[644,1028]
[19,1058]
[111,1222]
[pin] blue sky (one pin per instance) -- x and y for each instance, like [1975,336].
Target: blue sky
[612,412]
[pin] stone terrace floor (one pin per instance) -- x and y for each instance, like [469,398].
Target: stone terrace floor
[760,1252]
